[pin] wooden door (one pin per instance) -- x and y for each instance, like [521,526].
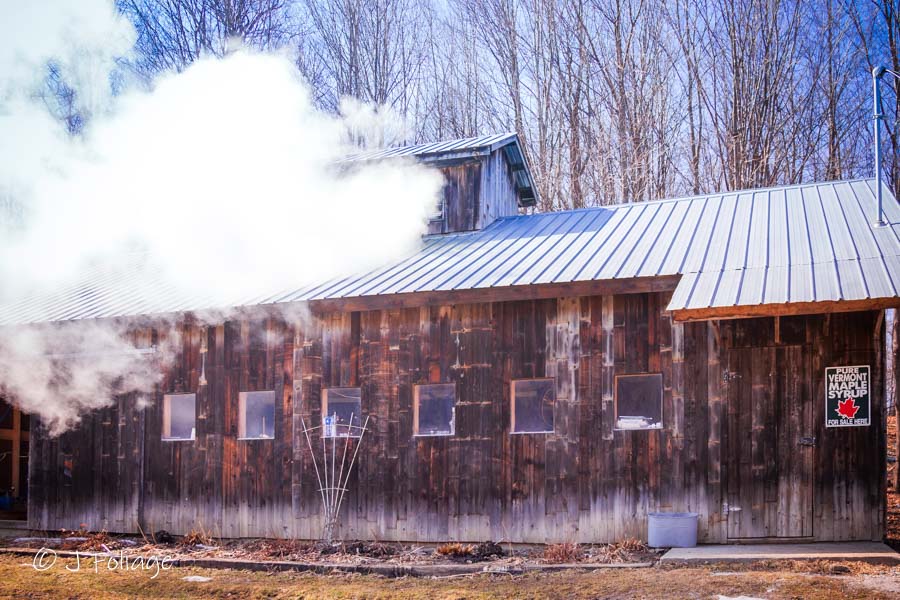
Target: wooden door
[769,443]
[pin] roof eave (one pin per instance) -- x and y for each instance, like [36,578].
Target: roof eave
[783,310]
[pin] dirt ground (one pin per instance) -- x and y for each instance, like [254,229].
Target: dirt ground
[199,545]
[19,579]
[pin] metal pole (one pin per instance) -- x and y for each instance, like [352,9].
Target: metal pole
[877,72]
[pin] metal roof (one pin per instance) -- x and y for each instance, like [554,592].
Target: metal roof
[470,146]
[791,244]
[454,150]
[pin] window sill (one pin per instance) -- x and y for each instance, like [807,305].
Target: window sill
[253,439]
[530,432]
[660,428]
[178,439]
[426,435]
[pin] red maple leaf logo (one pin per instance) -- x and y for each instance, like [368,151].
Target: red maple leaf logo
[847,408]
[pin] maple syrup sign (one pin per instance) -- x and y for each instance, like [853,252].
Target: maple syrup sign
[847,396]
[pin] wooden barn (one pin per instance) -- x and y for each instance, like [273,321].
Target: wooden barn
[543,377]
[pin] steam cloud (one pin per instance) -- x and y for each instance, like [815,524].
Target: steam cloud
[61,372]
[225,176]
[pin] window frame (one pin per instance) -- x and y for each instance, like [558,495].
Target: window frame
[452,431]
[512,406]
[438,215]
[242,415]
[324,413]
[167,418]
[616,401]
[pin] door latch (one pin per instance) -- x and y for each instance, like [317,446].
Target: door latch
[807,441]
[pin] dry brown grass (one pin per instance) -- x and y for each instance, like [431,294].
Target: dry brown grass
[99,541]
[279,549]
[627,550]
[18,579]
[372,550]
[561,553]
[196,537]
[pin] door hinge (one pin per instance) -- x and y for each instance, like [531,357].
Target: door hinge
[807,441]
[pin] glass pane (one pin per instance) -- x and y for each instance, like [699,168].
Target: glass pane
[533,405]
[435,408]
[639,401]
[258,415]
[181,416]
[341,412]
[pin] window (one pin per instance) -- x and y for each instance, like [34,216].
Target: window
[434,409]
[257,415]
[179,419]
[532,405]
[438,210]
[341,412]
[639,401]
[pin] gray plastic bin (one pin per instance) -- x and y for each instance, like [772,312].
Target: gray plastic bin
[672,530]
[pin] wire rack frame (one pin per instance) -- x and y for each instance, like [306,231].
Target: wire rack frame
[333,477]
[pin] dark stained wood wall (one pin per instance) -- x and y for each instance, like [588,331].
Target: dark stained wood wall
[476,192]
[585,482]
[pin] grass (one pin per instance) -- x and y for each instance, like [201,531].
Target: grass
[18,579]
[562,553]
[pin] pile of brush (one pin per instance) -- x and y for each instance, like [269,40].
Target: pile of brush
[624,551]
[470,552]
[566,552]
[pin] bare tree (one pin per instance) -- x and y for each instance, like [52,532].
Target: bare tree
[614,100]
[369,50]
[878,36]
[174,33]
[458,103]
[692,43]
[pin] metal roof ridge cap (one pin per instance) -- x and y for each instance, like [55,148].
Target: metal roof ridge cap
[723,194]
[803,264]
[431,237]
[490,141]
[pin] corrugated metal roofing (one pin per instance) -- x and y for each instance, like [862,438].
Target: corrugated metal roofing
[451,150]
[463,146]
[802,243]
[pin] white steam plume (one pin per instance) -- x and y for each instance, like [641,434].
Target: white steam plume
[224,175]
[60,372]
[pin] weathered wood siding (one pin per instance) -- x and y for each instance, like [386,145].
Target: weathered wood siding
[584,482]
[499,197]
[476,193]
